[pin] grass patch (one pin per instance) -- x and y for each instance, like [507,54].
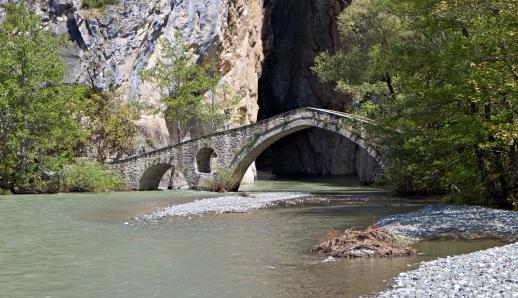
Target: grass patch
[373,242]
[97,4]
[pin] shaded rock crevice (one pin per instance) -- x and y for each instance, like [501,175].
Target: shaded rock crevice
[296,31]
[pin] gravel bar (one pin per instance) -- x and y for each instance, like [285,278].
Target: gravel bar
[227,204]
[441,221]
[487,273]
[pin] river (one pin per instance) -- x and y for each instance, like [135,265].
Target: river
[85,245]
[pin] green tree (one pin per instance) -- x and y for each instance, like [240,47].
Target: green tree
[39,116]
[189,92]
[110,125]
[444,75]
[45,124]
[220,108]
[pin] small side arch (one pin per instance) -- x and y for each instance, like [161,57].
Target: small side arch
[206,160]
[150,180]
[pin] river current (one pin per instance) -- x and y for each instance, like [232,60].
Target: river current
[86,245]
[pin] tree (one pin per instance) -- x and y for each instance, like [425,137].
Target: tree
[45,124]
[444,75]
[110,125]
[39,116]
[190,93]
[221,103]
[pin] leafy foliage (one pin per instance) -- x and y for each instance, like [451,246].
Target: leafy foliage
[38,132]
[45,124]
[110,126]
[190,93]
[88,4]
[444,75]
[89,176]
[4,192]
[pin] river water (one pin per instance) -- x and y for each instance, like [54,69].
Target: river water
[85,245]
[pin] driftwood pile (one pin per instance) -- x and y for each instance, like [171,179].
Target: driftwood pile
[373,242]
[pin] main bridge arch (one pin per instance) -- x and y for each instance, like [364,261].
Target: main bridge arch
[229,153]
[346,125]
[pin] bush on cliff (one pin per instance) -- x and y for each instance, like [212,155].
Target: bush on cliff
[99,4]
[90,176]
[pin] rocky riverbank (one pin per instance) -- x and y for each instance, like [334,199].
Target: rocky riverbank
[226,204]
[487,273]
[454,221]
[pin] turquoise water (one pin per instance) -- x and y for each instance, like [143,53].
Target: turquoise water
[86,245]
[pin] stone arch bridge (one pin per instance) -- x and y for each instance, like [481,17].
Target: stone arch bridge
[226,155]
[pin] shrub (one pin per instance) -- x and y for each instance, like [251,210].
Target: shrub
[88,4]
[222,181]
[152,142]
[4,192]
[90,176]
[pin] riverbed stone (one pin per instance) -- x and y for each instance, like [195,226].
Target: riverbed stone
[487,273]
[444,221]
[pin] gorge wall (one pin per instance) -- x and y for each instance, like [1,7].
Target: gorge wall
[295,32]
[265,49]
[112,46]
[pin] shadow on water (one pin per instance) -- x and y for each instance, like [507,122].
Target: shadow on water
[318,185]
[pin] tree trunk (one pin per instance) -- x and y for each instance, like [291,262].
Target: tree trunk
[495,190]
[513,156]
[388,80]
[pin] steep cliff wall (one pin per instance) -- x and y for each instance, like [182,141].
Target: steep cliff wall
[296,31]
[112,46]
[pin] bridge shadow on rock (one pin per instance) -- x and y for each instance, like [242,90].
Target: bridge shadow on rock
[228,154]
[337,157]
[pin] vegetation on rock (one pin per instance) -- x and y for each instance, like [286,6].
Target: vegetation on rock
[110,126]
[99,4]
[222,181]
[444,75]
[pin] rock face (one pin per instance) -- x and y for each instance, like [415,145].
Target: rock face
[264,47]
[112,46]
[296,31]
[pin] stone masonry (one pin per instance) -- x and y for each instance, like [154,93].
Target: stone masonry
[228,154]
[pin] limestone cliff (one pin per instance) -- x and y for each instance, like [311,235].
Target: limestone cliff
[112,46]
[265,49]
[295,32]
